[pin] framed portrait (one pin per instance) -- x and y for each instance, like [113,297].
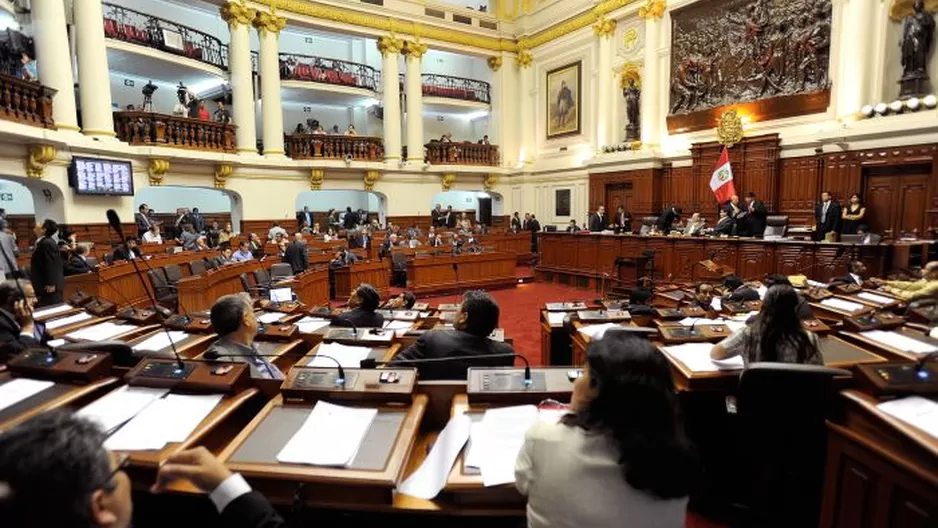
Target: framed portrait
[564,101]
[562,202]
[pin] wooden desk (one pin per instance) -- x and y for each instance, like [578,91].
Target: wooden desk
[199,292]
[439,273]
[119,283]
[374,272]
[190,347]
[60,332]
[887,351]
[60,395]
[312,286]
[131,334]
[881,472]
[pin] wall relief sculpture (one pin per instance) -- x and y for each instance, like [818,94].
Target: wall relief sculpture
[726,52]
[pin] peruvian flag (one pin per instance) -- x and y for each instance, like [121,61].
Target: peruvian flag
[721,182]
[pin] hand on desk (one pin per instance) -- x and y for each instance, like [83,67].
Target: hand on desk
[877,281]
[198,466]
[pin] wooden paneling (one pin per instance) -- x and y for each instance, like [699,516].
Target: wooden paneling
[443,273]
[755,164]
[755,260]
[798,189]
[842,175]
[644,197]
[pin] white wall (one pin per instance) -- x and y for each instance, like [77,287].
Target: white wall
[16,198]
[468,201]
[168,199]
[325,200]
[164,99]
[461,128]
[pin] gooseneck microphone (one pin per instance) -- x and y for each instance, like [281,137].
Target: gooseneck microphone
[115,222]
[339,381]
[369,363]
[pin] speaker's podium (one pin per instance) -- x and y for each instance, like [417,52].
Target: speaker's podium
[494,387]
[374,471]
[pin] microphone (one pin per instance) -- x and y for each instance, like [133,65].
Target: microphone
[369,363]
[115,222]
[340,380]
[920,368]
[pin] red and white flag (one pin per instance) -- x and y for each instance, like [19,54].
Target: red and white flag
[721,182]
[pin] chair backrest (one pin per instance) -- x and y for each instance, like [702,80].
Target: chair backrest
[92,261]
[159,283]
[210,263]
[649,221]
[281,269]
[197,267]
[109,258]
[776,226]
[261,277]
[173,273]
[875,238]
[245,283]
[850,239]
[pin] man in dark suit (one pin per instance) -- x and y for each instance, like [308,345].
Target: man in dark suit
[343,258]
[142,219]
[18,330]
[534,227]
[197,220]
[436,216]
[572,228]
[46,268]
[739,292]
[756,214]
[826,216]
[476,320]
[622,221]
[515,223]
[304,217]
[78,262]
[362,303]
[450,217]
[351,219]
[598,219]
[63,454]
[295,254]
[130,252]
[856,274]
[668,217]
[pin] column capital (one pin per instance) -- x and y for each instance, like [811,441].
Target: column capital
[390,45]
[495,63]
[448,180]
[413,49]
[269,22]
[652,10]
[40,155]
[222,172]
[371,178]
[156,169]
[235,13]
[604,27]
[316,177]
[490,181]
[524,58]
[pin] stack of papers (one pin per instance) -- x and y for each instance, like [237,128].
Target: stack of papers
[65,321]
[555,319]
[101,332]
[399,327]
[840,304]
[17,390]
[330,436]
[717,304]
[878,299]
[166,420]
[430,477]
[900,342]
[696,357]
[309,325]
[347,356]
[916,411]
[46,312]
[159,341]
[270,317]
[497,440]
[56,343]
[119,406]
[597,331]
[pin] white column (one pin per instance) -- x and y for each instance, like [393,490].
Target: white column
[413,57]
[53,59]
[853,86]
[94,87]
[652,115]
[504,118]
[526,87]
[604,116]
[268,32]
[239,19]
[390,49]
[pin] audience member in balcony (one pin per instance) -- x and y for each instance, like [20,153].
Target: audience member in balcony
[243,253]
[130,108]
[446,138]
[300,129]
[319,130]
[203,112]
[484,140]
[222,115]
[335,130]
[276,230]
[28,72]
[350,131]
[188,238]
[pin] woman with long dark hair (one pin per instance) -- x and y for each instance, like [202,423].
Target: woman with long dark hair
[620,458]
[853,216]
[775,336]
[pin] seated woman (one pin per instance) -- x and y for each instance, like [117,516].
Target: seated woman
[854,216]
[775,336]
[620,458]
[362,303]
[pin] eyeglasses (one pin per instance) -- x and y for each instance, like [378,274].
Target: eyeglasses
[122,462]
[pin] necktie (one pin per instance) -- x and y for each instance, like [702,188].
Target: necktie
[269,368]
[824,212]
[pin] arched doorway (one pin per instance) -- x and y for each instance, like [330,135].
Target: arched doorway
[24,200]
[216,205]
[320,202]
[481,205]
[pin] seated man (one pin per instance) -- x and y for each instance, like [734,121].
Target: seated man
[78,262]
[927,286]
[703,296]
[573,228]
[695,225]
[639,302]
[236,325]
[57,454]
[856,274]
[404,301]
[18,330]
[243,253]
[224,256]
[725,224]
[476,320]
[343,258]
[152,236]
[131,251]
[362,303]
[739,292]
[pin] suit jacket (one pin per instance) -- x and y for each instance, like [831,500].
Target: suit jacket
[9,252]
[77,265]
[831,222]
[197,221]
[666,219]
[572,228]
[744,293]
[846,279]
[450,220]
[143,223]
[453,343]
[296,257]
[623,220]
[534,226]
[756,218]
[251,510]
[359,318]
[11,342]
[46,267]
[351,220]
[516,223]
[122,254]
[302,217]
[597,222]
[436,218]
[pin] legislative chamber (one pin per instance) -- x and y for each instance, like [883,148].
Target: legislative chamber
[654,263]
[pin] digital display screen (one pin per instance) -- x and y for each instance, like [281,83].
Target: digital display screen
[101,176]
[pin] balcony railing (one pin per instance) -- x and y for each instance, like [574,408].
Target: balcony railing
[466,153]
[329,71]
[26,102]
[135,27]
[310,146]
[455,88]
[145,128]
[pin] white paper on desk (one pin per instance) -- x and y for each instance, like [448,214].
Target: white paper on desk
[899,341]
[816,284]
[101,332]
[309,325]
[120,405]
[330,436]
[159,341]
[65,321]
[17,390]
[872,297]
[743,317]
[597,331]
[916,411]
[430,477]
[716,303]
[270,317]
[556,318]
[843,305]
[398,325]
[55,343]
[39,314]
[501,441]
[696,357]
[170,419]
[697,321]
[347,356]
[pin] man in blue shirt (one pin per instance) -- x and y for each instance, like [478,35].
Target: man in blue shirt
[28,72]
[242,254]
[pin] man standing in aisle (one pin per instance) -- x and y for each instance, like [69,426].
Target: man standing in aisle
[827,216]
[46,267]
[296,254]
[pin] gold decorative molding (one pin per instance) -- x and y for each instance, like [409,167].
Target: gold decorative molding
[269,22]
[235,13]
[316,177]
[222,172]
[371,178]
[730,128]
[630,72]
[448,180]
[524,59]
[414,49]
[604,27]
[390,45]
[495,63]
[653,9]
[39,156]
[574,23]
[156,169]
[490,181]
[630,38]
[899,9]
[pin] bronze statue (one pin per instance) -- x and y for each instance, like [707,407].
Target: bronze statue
[633,102]
[918,31]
